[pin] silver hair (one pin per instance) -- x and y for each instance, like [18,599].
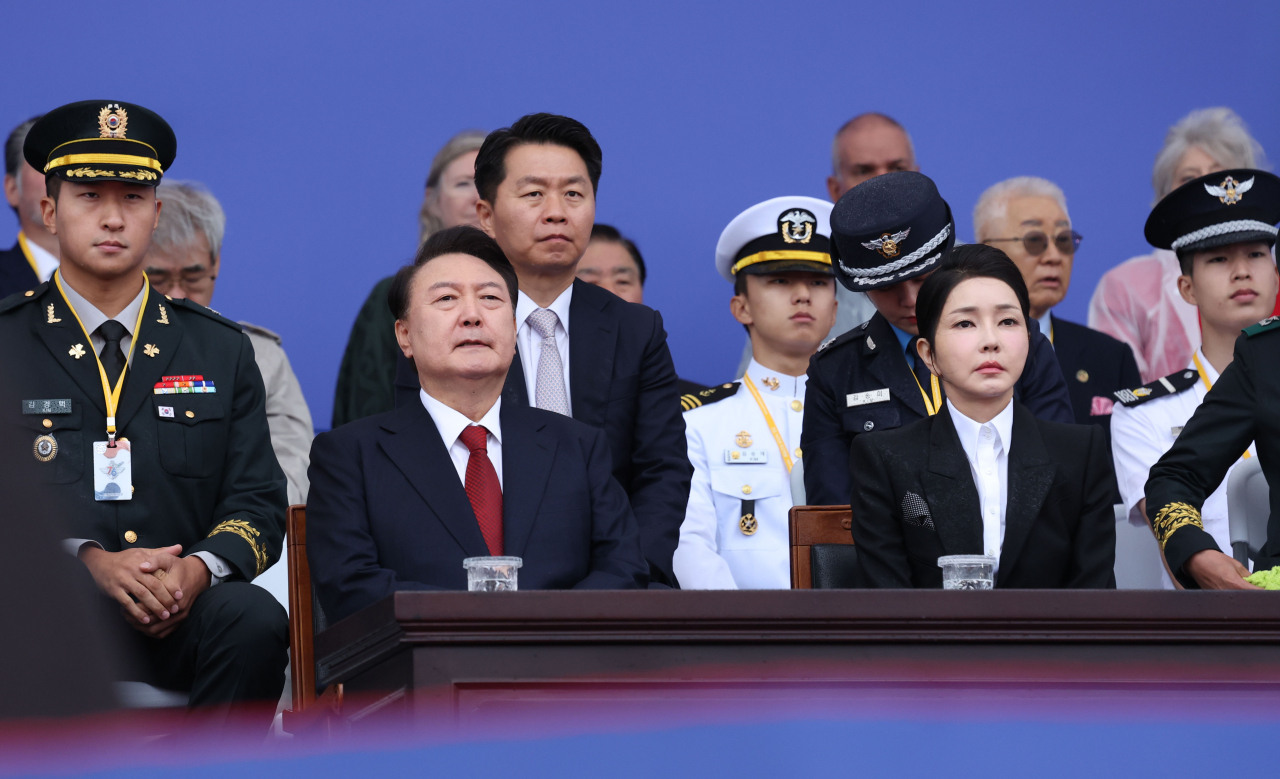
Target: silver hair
[429,222]
[188,209]
[1218,132]
[994,203]
[863,119]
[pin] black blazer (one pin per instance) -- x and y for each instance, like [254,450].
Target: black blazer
[622,381]
[1059,521]
[388,512]
[1094,365]
[15,272]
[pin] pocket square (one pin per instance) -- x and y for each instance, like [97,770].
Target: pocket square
[915,511]
[1101,406]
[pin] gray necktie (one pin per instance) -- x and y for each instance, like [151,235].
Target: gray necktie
[549,387]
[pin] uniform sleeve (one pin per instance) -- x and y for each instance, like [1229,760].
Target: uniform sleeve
[698,563]
[366,379]
[1042,388]
[616,560]
[1094,546]
[1136,444]
[882,551]
[822,440]
[248,521]
[1210,443]
[288,416]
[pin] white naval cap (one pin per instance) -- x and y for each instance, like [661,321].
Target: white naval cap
[785,233]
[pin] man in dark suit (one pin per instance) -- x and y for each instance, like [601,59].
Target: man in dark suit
[399,499]
[35,255]
[1027,218]
[581,350]
[147,416]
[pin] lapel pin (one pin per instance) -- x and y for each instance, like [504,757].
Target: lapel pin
[871,344]
[52,319]
[77,351]
[150,350]
[164,316]
[772,383]
[1082,375]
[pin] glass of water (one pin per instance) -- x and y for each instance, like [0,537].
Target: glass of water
[492,574]
[967,572]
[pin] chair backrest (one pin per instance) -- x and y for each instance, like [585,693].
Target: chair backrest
[301,627]
[811,525]
[1139,564]
[1248,509]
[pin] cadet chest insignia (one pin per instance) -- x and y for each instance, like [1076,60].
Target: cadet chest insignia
[45,448]
[887,245]
[150,350]
[76,351]
[743,439]
[1082,375]
[748,525]
[113,121]
[164,316]
[1229,191]
[707,396]
[52,319]
[772,383]
[746,457]
[796,226]
[1169,385]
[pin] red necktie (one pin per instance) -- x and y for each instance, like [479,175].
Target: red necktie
[483,489]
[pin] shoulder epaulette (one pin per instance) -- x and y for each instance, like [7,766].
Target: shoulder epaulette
[18,298]
[199,309]
[259,330]
[827,346]
[1169,385]
[696,399]
[1265,326]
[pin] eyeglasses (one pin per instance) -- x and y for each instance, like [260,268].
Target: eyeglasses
[191,283]
[1037,243]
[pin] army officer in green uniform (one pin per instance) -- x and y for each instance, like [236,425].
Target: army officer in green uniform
[145,420]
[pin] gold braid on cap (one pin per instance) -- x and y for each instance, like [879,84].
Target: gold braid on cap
[250,534]
[1172,517]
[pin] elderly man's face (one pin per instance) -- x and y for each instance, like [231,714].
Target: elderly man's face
[1048,274]
[461,321]
[608,264]
[186,271]
[23,191]
[866,150]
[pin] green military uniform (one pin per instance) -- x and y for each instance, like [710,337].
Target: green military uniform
[367,378]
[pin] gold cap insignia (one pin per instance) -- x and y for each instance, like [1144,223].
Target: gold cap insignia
[887,245]
[748,524]
[1230,191]
[113,121]
[743,439]
[796,226]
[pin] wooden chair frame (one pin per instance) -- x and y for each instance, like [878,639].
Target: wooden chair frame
[309,710]
[811,525]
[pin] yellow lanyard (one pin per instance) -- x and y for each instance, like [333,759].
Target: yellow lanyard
[936,405]
[768,418]
[1208,385]
[111,396]
[26,252]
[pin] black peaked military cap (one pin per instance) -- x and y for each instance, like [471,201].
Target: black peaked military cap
[102,140]
[889,229]
[1230,206]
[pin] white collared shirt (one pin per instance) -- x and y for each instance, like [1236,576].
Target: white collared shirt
[530,343]
[93,318]
[46,263]
[986,446]
[1046,325]
[451,423]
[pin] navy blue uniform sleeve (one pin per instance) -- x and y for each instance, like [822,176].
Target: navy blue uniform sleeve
[824,447]
[616,560]
[1042,388]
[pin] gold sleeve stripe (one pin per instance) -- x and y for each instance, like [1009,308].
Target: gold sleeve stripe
[689,402]
[250,534]
[1173,517]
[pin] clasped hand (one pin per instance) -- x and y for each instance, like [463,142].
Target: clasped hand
[155,587]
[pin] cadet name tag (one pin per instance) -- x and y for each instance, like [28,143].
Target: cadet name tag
[863,398]
[746,456]
[50,406]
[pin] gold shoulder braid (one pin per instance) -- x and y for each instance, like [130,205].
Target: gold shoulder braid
[249,533]
[1171,518]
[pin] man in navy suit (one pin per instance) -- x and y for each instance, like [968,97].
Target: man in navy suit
[399,499]
[581,350]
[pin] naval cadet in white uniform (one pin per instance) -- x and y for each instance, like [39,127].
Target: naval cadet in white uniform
[744,436]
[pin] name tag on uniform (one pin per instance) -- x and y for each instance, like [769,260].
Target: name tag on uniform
[746,456]
[863,398]
[45,407]
[112,471]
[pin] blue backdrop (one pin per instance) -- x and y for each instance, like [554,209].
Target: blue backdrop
[314,123]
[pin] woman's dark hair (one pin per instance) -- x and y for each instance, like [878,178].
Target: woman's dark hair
[463,239]
[971,261]
[491,162]
[603,232]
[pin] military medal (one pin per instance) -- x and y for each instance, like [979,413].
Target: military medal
[748,525]
[45,448]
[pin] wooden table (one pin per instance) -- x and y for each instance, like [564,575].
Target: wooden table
[449,659]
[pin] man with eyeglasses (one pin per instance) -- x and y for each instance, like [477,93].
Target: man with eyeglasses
[1026,217]
[183,262]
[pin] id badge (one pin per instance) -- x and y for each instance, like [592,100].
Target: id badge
[112,471]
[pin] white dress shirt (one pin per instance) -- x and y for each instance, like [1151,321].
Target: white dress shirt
[46,263]
[451,423]
[1046,326]
[530,343]
[986,445]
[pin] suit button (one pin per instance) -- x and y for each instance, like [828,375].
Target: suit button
[797,405]
[746,489]
[191,415]
[799,453]
[130,536]
[869,426]
[48,423]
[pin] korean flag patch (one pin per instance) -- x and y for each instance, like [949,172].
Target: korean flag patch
[166,411]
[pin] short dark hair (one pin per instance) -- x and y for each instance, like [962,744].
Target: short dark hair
[463,239]
[604,232]
[491,162]
[52,185]
[13,146]
[971,261]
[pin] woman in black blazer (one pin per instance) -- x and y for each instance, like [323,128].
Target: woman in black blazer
[982,474]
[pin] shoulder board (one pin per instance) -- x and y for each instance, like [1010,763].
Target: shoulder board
[828,345]
[18,298]
[199,309]
[1265,326]
[695,399]
[1169,385]
[262,331]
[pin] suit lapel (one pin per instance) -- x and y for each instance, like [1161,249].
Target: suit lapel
[591,350]
[155,346]
[1031,473]
[62,335]
[514,391]
[414,445]
[889,364]
[949,485]
[527,454]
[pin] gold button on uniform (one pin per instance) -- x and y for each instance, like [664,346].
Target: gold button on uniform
[797,405]
[799,453]
[191,415]
[48,423]
[746,489]
[1082,375]
[130,536]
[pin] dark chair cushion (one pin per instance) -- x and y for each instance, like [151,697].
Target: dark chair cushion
[835,566]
